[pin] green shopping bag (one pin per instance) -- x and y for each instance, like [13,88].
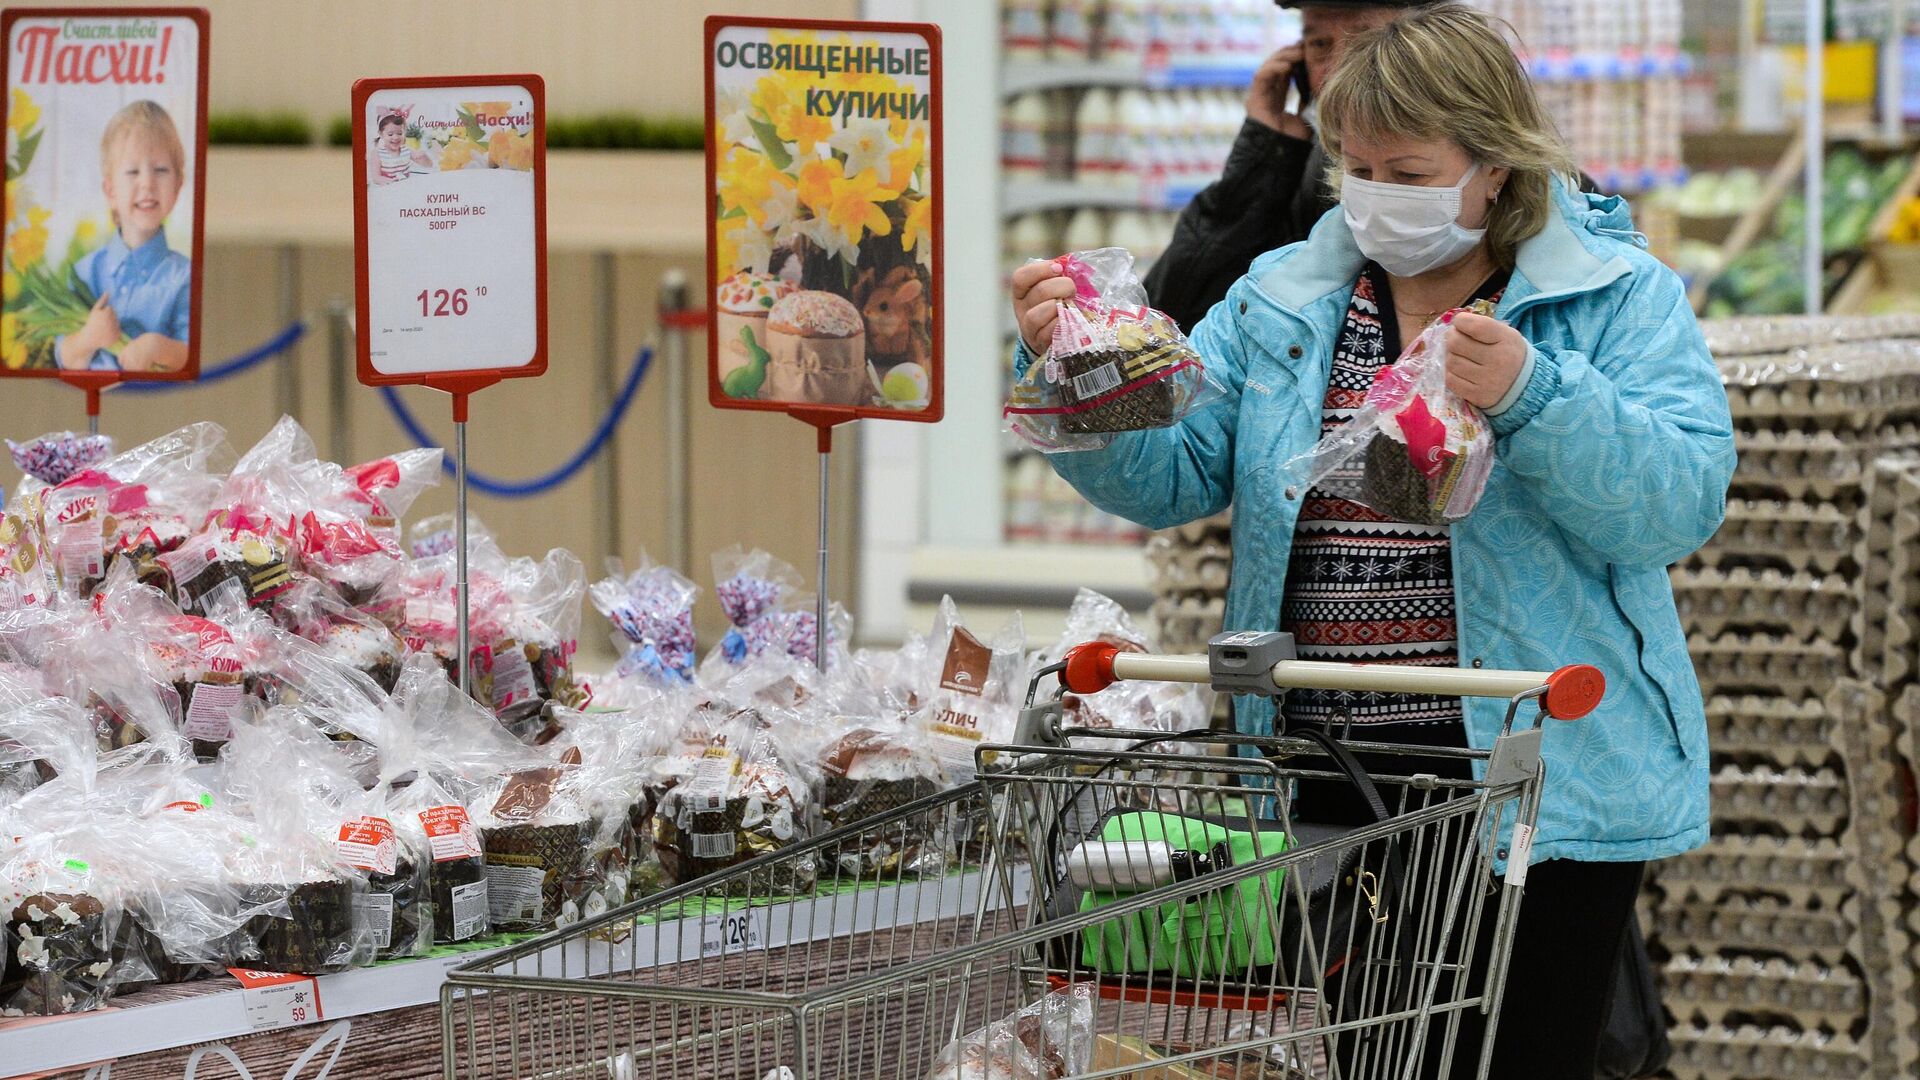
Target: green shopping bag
[1217,933]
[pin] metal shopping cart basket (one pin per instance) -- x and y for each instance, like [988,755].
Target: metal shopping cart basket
[1172,890]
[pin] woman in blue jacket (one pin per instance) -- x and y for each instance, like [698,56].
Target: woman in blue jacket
[1614,448]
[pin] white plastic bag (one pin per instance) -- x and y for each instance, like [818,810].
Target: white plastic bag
[1414,451]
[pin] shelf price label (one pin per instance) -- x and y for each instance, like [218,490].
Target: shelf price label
[273,1000]
[735,931]
[450,229]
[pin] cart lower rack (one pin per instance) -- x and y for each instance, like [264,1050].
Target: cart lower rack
[1138,905]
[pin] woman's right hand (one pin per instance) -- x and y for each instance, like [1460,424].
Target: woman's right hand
[1038,288]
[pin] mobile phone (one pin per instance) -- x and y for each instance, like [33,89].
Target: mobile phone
[1300,83]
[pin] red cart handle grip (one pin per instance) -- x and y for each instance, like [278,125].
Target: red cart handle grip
[1090,667]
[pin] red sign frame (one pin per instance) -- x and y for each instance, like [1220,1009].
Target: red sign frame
[825,417]
[95,381]
[457,383]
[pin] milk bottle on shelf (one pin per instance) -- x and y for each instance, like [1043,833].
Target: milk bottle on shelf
[1070,39]
[1023,151]
[1094,126]
[1023,30]
[1086,230]
[1133,141]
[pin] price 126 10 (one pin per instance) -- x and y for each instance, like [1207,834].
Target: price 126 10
[442,303]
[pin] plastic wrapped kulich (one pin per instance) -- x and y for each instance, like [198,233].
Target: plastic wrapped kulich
[1114,365]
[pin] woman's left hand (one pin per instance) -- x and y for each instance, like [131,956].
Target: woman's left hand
[1484,357]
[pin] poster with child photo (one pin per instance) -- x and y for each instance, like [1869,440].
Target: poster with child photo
[105,153]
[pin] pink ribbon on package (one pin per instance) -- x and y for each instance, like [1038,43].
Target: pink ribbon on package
[1081,275]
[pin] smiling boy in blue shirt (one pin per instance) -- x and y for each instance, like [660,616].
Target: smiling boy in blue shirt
[144,286]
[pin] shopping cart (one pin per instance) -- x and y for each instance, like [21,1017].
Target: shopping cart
[1242,940]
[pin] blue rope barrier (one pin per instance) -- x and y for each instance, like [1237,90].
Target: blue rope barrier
[252,358]
[520,489]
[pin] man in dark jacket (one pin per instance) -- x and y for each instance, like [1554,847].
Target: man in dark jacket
[1274,186]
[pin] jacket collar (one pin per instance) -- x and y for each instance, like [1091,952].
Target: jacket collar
[1566,258]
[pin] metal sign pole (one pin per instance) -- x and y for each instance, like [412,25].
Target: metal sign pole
[1814,129]
[460,540]
[820,598]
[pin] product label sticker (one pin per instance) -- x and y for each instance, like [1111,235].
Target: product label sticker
[967,664]
[449,207]
[450,833]
[712,845]
[513,892]
[210,714]
[1098,381]
[82,551]
[735,931]
[373,913]
[714,774]
[430,613]
[1520,855]
[191,559]
[470,910]
[369,844]
[513,680]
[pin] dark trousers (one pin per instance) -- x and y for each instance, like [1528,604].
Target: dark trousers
[1566,948]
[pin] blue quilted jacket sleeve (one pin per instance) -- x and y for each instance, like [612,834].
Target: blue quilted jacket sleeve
[1169,476]
[1631,449]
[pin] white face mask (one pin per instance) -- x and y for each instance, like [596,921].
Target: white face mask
[1406,229]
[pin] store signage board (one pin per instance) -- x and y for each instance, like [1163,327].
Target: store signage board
[449,212]
[824,235]
[106,151]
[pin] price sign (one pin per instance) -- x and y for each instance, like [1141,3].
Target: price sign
[824,240]
[735,931]
[450,229]
[106,153]
[274,1000]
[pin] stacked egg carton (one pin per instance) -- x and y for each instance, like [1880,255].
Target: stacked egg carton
[1189,566]
[1786,939]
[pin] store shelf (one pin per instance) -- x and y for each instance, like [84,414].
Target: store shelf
[1602,66]
[1036,196]
[1021,77]
[171,1017]
[262,195]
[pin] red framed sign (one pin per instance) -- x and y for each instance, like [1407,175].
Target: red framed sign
[450,230]
[106,149]
[824,236]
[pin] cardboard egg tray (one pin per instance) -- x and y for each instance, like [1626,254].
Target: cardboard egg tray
[1816,537]
[1798,605]
[1769,334]
[1821,466]
[1766,664]
[1193,620]
[1750,1052]
[1846,388]
[1796,800]
[1711,989]
[1741,924]
[1783,731]
[1811,873]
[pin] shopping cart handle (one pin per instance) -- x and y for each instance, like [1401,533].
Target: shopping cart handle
[1567,694]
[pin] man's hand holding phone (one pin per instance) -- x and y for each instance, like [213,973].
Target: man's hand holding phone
[1267,98]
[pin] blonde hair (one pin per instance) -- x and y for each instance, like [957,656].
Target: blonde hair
[143,118]
[1447,72]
